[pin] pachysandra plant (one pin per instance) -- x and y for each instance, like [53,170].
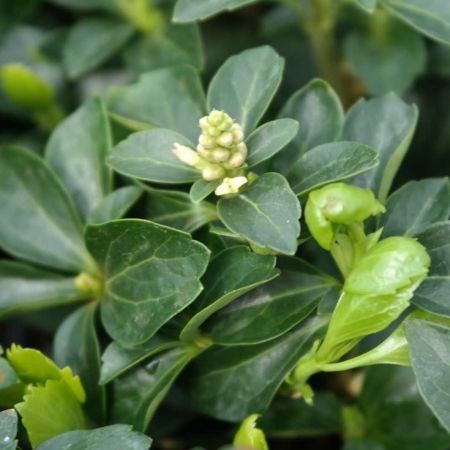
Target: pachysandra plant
[199,263]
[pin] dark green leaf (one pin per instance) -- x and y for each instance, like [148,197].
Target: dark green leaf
[92,41]
[331,162]
[230,274]
[8,429]
[415,206]
[114,205]
[429,346]
[148,155]
[387,125]
[76,151]
[230,383]
[8,376]
[24,288]
[114,437]
[190,10]
[318,110]
[38,221]
[201,189]
[432,294]
[269,139]
[245,85]
[267,213]
[152,273]
[76,345]
[167,98]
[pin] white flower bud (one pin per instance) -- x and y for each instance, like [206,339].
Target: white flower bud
[242,149]
[225,139]
[230,186]
[215,117]
[206,141]
[186,155]
[212,172]
[212,131]
[238,133]
[226,123]
[236,160]
[203,122]
[220,155]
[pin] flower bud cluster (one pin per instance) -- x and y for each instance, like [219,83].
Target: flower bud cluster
[221,152]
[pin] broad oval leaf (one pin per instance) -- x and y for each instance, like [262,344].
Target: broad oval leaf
[77,150]
[191,10]
[232,273]
[273,308]
[151,273]
[320,115]
[269,139]
[148,155]
[8,429]
[330,162]
[433,293]
[415,206]
[24,288]
[267,213]
[38,221]
[245,85]
[386,124]
[91,41]
[201,189]
[113,437]
[167,98]
[230,383]
[8,376]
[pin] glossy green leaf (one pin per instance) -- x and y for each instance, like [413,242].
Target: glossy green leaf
[151,272]
[201,189]
[415,206]
[386,124]
[388,63]
[8,429]
[432,294]
[230,274]
[429,348]
[273,308]
[269,139]
[76,345]
[138,394]
[190,10]
[176,209]
[168,98]
[266,213]
[76,151]
[92,41]
[8,376]
[320,115]
[24,288]
[113,437]
[38,221]
[114,205]
[430,17]
[148,155]
[330,162]
[230,383]
[50,410]
[245,85]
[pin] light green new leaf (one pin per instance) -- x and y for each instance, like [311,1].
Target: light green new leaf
[76,345]
[191,10]
[245,85]
[77,150]
[151,273]
[232,273]
[269,139]
[148,155]
[267,213]
[415,206]
[429,346]
[167,98]
[38,221]
[114,205]
[433,293]
[8,429]
[113,437]
[91,41]
[201,189]
[386,124]
[320,115]
[430,17]
[330,162]
[24,288]
[273,308]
